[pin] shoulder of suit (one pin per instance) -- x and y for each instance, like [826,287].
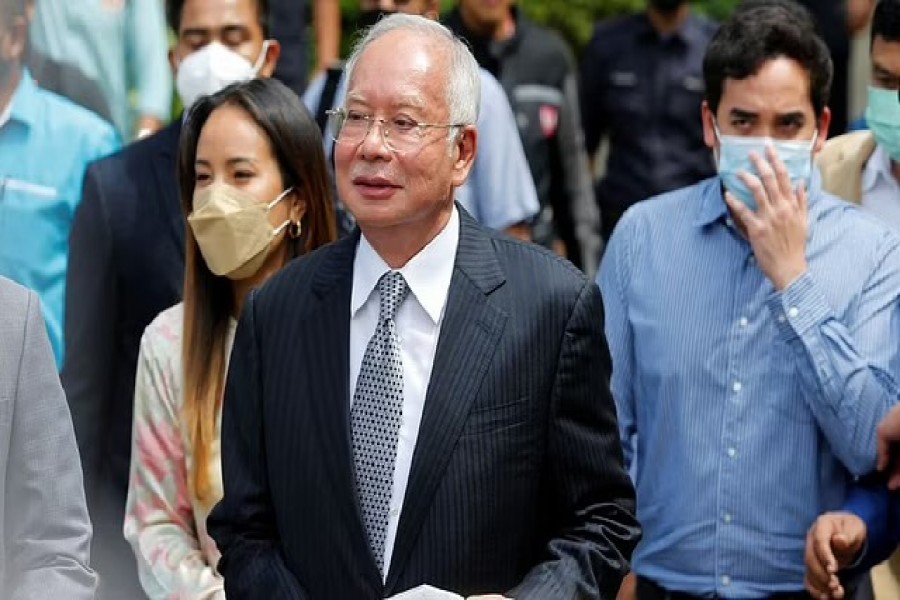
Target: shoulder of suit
[536,258]
[14,305]
[847,146]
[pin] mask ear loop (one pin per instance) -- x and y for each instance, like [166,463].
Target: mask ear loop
[261,59]
[277,231]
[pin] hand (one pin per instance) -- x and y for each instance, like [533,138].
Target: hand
[833,542]
[628,589]
[777,230]
[147,125]
[888,438]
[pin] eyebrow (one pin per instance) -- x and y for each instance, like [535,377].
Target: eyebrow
[230,162]
[223,31]
[743,114]
[410,101]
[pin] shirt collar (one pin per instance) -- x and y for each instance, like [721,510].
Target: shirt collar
[428,273]
[690,32]
[713,208]
[24,102]
[878,167]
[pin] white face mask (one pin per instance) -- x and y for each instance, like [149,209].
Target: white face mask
[212,68]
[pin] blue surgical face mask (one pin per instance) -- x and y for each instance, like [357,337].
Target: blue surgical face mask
[734,156]
[883,118]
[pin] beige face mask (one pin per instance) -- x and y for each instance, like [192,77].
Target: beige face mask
[233,230]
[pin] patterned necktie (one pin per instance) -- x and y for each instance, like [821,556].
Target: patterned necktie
[375,415]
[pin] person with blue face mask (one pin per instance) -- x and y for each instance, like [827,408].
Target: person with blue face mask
[863,167]
[752,321]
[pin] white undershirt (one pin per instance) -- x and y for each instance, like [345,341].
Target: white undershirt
[418,323]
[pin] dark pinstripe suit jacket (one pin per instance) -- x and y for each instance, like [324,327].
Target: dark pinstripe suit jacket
[517,484]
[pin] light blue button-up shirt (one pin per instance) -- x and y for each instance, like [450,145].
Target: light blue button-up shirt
[743,411]
[121,44]
[500,191]
[45,147]
[880,189]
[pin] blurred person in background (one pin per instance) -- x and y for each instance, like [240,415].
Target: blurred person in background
[752,320]
[838,21]
[537,71]
[863,167]
[46,143]
[121,45]
[256,194]
[44,525]
[499,192]
[127,262]
[642,85]
[288,22]
[63,78]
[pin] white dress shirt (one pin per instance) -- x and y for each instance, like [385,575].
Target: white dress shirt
[418,324]
[880,190]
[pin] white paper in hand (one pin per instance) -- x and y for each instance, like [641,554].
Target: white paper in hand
[426,592]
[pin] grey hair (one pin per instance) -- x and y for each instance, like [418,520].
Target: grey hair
[464,84]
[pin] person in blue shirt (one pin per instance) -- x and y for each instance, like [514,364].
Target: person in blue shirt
[46,143]
[500,192]
[867,528]
[752,321]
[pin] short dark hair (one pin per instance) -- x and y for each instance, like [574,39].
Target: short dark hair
[175,8]
[886,21]
[760,31]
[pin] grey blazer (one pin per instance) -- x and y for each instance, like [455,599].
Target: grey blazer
[46,532]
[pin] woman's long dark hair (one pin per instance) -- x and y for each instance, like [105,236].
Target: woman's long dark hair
[208,300]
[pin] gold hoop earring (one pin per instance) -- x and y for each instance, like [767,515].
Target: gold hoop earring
[295,229]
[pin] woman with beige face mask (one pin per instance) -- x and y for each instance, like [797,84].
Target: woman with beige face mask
[254,187]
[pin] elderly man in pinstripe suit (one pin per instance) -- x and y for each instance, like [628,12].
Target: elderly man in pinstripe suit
[423,402]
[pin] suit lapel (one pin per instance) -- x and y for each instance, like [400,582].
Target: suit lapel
[326,338]
[164,168]
[470,332]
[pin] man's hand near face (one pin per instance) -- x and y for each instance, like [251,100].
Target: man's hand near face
[777,230]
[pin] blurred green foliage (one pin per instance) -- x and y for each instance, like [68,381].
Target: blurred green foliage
[574,19]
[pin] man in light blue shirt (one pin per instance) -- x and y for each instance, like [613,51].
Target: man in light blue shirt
[120,44]
[46,143]
[500,191]
[752,332]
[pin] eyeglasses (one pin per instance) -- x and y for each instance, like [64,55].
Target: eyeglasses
[400,134]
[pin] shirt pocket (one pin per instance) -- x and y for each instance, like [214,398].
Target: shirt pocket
[624,99]
[34,226]
[685,99]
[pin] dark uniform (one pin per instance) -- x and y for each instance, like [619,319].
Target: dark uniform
[645,92]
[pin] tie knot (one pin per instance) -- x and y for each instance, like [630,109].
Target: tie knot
[393,289]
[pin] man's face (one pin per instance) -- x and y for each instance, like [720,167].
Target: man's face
[885,64]
[775,103]
[406,191]
[486,13]
[13,37]
[233,23]
[410,7]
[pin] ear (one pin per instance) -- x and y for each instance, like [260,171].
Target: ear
[432,10]
[464,151]
[173,63]
[709,127]
[824,124]
[298,206]
[273,52]
[13,47]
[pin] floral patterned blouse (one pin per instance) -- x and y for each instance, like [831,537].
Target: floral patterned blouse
[164,523]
